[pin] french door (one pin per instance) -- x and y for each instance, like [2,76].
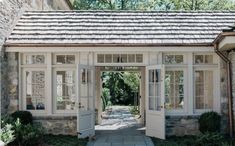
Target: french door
[155,112]
[86,99]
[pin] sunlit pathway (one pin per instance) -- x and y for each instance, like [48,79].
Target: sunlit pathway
[119,128]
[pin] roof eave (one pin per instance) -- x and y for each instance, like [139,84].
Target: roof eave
[105,45]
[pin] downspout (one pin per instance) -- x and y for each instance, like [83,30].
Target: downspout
[229,87]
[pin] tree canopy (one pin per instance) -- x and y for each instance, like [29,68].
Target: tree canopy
[154,4]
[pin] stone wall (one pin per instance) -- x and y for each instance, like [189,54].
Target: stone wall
[10,12]
[181,125]
[10,83]
[58,124]
[223,96]
[232,58]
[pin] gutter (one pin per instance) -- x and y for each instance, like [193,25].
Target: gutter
[229,87]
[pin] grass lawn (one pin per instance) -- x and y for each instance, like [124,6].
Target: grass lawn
[64,140]
[190,141]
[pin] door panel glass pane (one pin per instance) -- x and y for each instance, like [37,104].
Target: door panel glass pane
[151,103]
[65,90]
[83,104]
[158,103]
[35,90]
[151,89]
[151,76]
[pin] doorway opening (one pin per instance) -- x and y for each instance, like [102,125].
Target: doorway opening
[121,92]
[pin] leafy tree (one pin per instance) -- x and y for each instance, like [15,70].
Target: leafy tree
[120,86]
[154,4]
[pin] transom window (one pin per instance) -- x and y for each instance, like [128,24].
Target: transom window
[120,58]
[65,59]
[174,89]
[203,59]
[173,59]
[203,89]
[35,90]
[34,59]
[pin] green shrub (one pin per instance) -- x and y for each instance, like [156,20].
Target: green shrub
[24,116]
[209,122]
[6,133]
[28,135]
[209,139]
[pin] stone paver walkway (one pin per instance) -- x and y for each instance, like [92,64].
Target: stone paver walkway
[119,128]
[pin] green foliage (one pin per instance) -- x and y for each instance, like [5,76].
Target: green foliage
[209,122]
[119,87]
[64,140]
[154,4]
[209,139]
[134,110]
[28,135]
[7,133]
[24,116]
[206,139]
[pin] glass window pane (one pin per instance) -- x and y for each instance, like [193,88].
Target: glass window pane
[70,59]
[204,89]
[139,58]
[169,59]
[174,89]
[131,58]
[108,58]
[60,59]
[35,90]
[65,59]
[208,59]
[199,59]
[100,58]
[116,58]
[35,59]
[124,58]
[179,58]
[151,103]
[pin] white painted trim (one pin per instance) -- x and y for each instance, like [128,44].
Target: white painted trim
[55,111]
[50,85]
[184,110]
[110,49]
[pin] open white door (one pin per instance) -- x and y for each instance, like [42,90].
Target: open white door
[86,98]
[155,112]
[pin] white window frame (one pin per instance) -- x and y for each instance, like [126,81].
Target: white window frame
[35,112]
[54,56]
[55,111]
[207,64]
[144,63]
[216,88]
[174,53]
[25,55]
[62,67]
[185,107]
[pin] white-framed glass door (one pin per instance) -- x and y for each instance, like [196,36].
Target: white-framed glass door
[155,110]
[85,100]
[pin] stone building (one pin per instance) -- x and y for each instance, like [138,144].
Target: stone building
[54,60]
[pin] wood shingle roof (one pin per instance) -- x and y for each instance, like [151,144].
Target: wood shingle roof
[120,27]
